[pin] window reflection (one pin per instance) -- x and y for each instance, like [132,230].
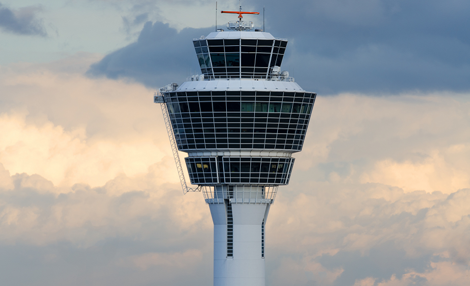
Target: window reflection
[201,60]
[218,60]
[233,60]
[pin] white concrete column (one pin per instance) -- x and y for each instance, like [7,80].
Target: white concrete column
[246,267]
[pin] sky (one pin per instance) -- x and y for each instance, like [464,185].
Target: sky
[89,194]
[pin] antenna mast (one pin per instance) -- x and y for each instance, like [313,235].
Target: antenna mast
[264,30]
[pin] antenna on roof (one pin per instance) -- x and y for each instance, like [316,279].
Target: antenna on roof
[264,30]
[239,13]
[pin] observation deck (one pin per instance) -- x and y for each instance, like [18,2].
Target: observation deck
[239,54]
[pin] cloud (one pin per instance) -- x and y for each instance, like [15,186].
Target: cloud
[70,129]
[89,193]
[374,46]
[369,46]
[160,56]
[23,21]
[103,236]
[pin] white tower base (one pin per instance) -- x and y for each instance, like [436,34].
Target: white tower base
[239,237]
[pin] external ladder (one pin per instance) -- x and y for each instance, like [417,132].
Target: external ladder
[174,147]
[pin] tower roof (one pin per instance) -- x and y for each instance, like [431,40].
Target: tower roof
[240,35]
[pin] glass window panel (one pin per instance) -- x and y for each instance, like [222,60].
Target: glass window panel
[176,107]
[219,106]
[219,70]
[275,107]
[261,107]
[206,107]
[262,60]
[247,106]
[204,50]
[265,42]
[248,60]
[170,108]
[232,49]
[196,43]
[283,43]
[264,50]
[184,107]
[218,60]
[249,42]
[233,106]
[297,107]
[282,51]
[264,167]
[198,50]
[194,106]
[248,49]
[286,107]
[232,42]
[255,167]
[279,60]
[215,42]
[273,60]
[201,60]
[216,49]
[233,60]
[245,167]
[207,61]
[234,167]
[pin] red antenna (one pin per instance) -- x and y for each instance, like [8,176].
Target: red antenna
[239,13]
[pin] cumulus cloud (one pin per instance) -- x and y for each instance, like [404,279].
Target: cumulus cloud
[71,129]
[378,196]
[413,141]
[23,21]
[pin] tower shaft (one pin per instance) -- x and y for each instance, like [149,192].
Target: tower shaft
[239,235]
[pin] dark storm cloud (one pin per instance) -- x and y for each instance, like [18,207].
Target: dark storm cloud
[335,46]
[160,56]
[22,21]
[375,46]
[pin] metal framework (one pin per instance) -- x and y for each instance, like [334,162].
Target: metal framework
[174,148]
[241,194]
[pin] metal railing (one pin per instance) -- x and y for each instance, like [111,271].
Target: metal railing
[240,194]
[210,77]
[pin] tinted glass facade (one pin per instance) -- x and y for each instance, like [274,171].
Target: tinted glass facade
[240,120]
[230,170]
[235,58]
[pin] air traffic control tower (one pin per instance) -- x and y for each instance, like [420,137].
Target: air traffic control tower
[240,121]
